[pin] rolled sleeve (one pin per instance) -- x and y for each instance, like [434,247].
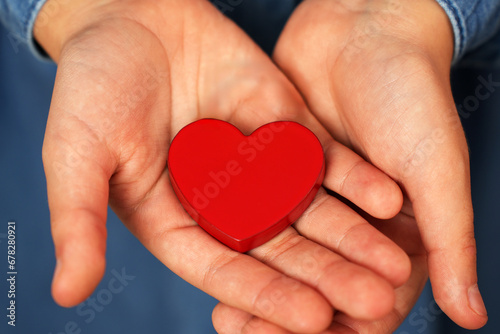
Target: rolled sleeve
[474,22]
[19,16]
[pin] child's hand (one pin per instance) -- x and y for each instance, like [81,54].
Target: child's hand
[131,75]
[404,231]
[376,74]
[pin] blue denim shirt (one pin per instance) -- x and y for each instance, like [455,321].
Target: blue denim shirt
[19,17]
[474,22]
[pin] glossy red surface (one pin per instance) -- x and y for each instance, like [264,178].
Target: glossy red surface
[244,190]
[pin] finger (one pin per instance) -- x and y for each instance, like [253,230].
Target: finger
[404,231]
[77,175]
[434,170]
[348,287]
[350,176]
[406,297]
[441,199]
[235,279]
[229,320]
[347,173]
[331,223]
[360,182]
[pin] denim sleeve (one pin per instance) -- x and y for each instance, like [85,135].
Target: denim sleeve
[474,22]
[18,16]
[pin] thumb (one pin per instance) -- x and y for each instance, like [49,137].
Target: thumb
[77,173]
[436,177]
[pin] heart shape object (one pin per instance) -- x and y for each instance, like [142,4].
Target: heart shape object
[244,190]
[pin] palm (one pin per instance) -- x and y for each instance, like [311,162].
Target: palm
[384,101]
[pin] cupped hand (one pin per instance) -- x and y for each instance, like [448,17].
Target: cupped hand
[376,74]
[130,75]
[403,230]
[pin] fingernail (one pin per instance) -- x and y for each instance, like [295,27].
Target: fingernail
[476,301]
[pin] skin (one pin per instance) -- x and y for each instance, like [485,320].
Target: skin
[376,74]
[401,229]
[131,74]
[380,68]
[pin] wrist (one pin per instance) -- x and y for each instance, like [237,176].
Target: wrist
[59,20]
[419,27]
[429,28]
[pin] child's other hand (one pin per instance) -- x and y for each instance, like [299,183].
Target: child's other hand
[376,74]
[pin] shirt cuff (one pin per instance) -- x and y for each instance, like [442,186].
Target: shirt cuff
[474,23]
[19,17]
[459,27]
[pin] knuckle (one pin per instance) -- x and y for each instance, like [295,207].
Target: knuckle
[468,243]
[281,245]
[273,295]
[318,202]
[212,274]
[344,180]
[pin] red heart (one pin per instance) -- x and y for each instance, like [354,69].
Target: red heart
[244,190]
